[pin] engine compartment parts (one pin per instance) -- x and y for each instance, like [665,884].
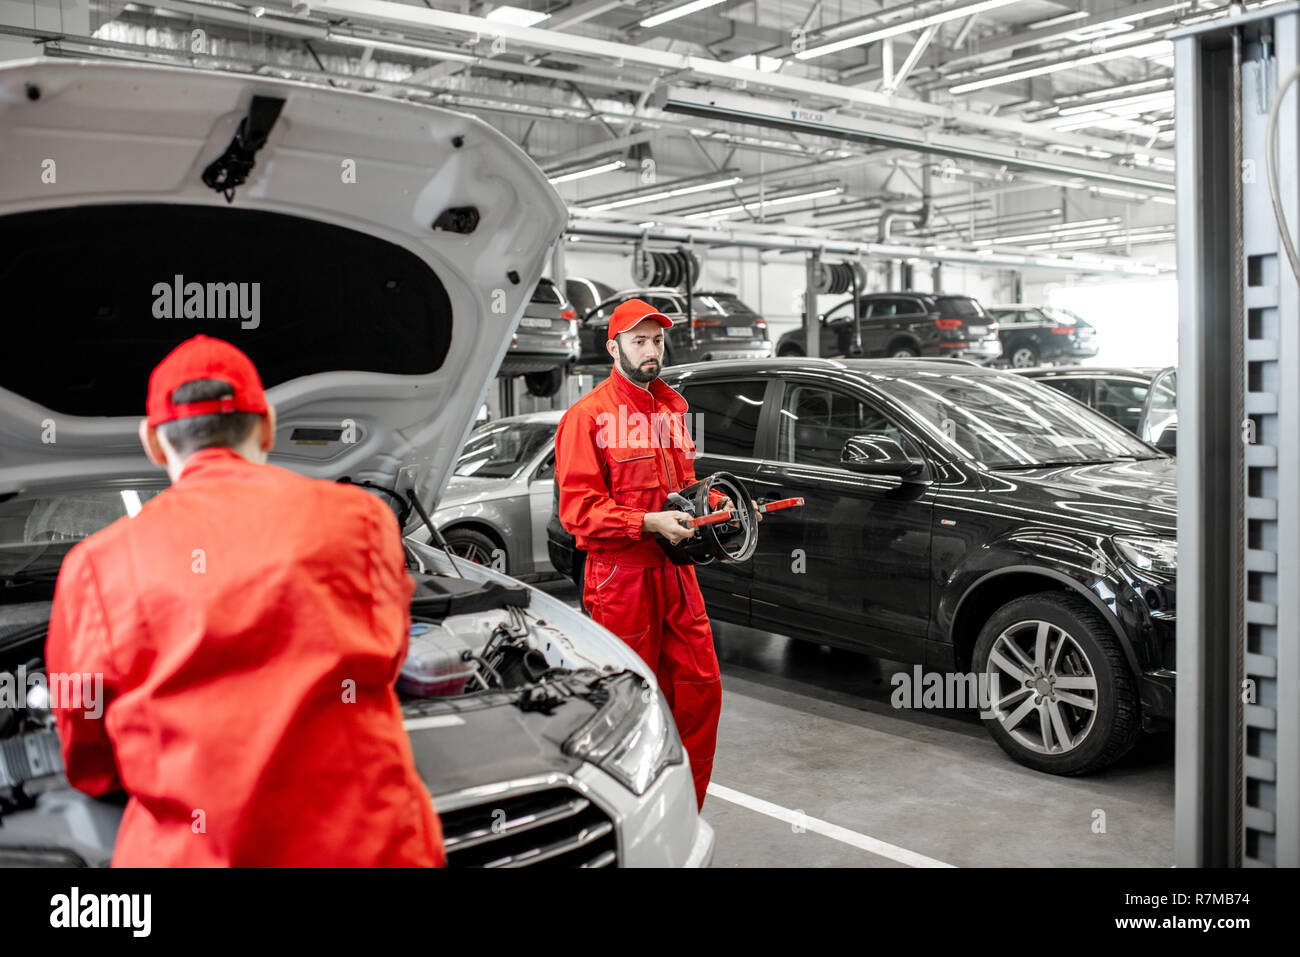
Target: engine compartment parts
[438,662]
[437,597]
[29,763]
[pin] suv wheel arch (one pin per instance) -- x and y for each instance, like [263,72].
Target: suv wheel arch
[994,589]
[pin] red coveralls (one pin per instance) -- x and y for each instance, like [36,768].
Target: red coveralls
[611,470]
[226,618]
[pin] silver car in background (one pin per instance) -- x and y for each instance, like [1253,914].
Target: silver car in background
[498,500]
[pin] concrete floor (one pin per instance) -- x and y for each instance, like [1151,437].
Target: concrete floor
[809,736]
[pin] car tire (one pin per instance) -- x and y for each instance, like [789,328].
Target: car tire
[475,546]
[1079,645]
[1023,356]
[903,350]
[790,351]
[545,384]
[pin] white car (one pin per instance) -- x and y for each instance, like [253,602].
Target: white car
[373,258]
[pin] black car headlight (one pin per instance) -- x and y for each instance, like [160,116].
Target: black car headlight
[631,737]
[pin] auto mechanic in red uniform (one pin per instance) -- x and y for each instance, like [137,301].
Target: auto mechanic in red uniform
[619,451]
[249,624]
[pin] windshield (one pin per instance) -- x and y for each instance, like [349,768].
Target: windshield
[35,533]
[1008,421]
[503,449]
[960,307]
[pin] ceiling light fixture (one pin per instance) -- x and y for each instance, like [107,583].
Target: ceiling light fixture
[907,26]
[590,171]
[1158,48]
[668,194]
[409,48]
[685,9]
[516,16]
[761,204]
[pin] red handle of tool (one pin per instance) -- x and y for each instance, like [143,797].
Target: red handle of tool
[713,518]
[779,504]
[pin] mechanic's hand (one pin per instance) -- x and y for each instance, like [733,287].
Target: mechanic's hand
[727,505]
[668,525]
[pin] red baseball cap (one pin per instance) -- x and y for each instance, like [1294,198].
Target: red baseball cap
[628,314]
[204,358]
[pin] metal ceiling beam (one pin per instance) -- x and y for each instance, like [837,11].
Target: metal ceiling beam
[421,18]
[913,56]
[740,108]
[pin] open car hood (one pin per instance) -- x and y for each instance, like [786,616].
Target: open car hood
[374,266]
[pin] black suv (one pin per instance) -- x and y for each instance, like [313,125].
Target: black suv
[962,519]
[903,325]
[720,327]
[1031,335]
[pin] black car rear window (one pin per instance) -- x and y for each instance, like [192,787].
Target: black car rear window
[719,305]
[87,292]
[959,307]
[547,292]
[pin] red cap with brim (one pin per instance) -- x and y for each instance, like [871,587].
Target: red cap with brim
[629,313]
[204,358]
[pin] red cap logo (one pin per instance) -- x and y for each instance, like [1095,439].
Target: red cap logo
[628,314]
[204,358]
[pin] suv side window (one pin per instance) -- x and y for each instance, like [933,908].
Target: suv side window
[724,416]
[880,308]
[910,307]
[1078,389]
[1121,400]
[817,421]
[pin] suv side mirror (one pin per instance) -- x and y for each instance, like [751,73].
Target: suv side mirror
[880,455]
[1168,441]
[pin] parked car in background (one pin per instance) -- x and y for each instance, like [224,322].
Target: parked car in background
[586,294]
[494,509]
[596,775]
[720,326]
[1144,401]
[545,345]
[1030,336]
[960,518]
[903,325]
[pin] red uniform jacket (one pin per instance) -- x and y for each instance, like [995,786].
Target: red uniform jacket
[249,624]
[619,451]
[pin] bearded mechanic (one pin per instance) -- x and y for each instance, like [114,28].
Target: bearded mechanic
[619,451]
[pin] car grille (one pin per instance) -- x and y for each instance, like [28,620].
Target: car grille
[557,827]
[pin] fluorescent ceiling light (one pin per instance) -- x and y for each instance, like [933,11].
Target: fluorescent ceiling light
[1147,101]
[907,26]
[668,193]
[1144,50]
[684,10]
[1063,18]
[517,16]
[760,204]
[1104,221]
[410,48]
[591,171]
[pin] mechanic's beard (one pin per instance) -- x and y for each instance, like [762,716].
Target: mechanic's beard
[634,373]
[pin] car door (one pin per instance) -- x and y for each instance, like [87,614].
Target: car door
[724,419]
[1122,399]
[541,487]
[1080,388]
[853,563]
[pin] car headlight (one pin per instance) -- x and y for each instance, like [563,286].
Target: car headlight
[632,736]
[1158,555]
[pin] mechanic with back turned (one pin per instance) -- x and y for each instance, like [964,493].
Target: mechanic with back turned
[619,451]
[249,624]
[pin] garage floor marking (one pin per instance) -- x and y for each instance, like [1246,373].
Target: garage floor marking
[880,848]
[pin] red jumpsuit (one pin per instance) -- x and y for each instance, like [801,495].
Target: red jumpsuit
[619,451]
[249,624]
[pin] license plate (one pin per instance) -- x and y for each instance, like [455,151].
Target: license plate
[977,330]
[739,332]
[535,323]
